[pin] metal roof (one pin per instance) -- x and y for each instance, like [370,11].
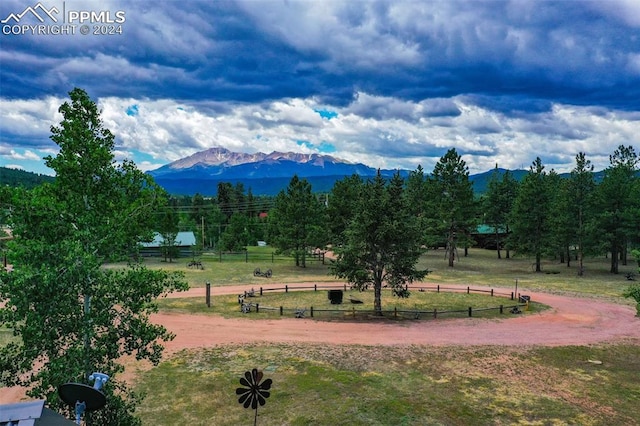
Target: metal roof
[185,238]
[31,413]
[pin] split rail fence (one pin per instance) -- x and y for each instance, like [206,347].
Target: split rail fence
[353,312]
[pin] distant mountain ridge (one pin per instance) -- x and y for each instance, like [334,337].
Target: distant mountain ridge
[265,174]
[268,174]
[219,156]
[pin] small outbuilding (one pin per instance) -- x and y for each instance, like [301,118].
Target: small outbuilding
[185,241]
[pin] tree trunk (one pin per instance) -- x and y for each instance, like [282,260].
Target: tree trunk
[377,295]
[452,256]
[451,247]
[580,259]
[498,244]
[568,257]
[538,263]
[507,252]
[614,259]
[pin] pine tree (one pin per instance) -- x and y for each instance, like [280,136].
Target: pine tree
[531,215]
[382,244]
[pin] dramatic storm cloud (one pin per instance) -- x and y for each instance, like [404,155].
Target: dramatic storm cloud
[390,84]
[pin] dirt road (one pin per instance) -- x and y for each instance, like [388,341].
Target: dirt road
[570,321]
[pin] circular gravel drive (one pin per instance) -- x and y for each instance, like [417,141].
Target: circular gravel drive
[570,321]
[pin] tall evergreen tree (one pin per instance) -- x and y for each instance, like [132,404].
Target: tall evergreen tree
[580,195]
[560,219]
[382,244]
[341,206]
[453,209]
[417,199]
[168,228]
[73,316]
[497,205]
[296,221]
[531,213]
[615,204]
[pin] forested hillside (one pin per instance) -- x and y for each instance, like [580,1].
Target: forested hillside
[14,177]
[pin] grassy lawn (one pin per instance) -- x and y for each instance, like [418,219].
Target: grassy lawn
[481,267]
[416,385]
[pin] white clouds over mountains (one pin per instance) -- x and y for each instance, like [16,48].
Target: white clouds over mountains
[389,84]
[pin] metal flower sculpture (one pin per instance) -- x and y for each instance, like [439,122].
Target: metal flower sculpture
[254,393]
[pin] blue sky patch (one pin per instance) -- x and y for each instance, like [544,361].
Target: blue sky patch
[325,113]
[326,147]
[306,144]
[132,110]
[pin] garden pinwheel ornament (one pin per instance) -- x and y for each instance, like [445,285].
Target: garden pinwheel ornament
[254,393]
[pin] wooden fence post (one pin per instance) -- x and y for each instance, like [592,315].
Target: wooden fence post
[491,292]
[435,312]
[468,289]
[260,291]
[257,308]
[286,288]
[281,311]
[312,312]
[501,309]
[469,310]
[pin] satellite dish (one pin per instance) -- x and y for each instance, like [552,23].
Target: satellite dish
[79,392]
[84,397]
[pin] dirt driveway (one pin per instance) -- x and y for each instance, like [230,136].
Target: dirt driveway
[570,321]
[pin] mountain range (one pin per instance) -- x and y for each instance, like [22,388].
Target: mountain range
[265,174]
[268,174]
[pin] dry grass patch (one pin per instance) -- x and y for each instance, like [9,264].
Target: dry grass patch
[412,385]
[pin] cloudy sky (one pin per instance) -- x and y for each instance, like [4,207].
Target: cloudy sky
[391,84]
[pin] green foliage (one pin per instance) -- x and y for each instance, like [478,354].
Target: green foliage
[15,178]
[451,208]
[580,194]
[72,315]
[497,204]
[531,214]
[295,222]
[236,235]
[618,204]
[382,244]
[342,201]
[633,291]
[168,228]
